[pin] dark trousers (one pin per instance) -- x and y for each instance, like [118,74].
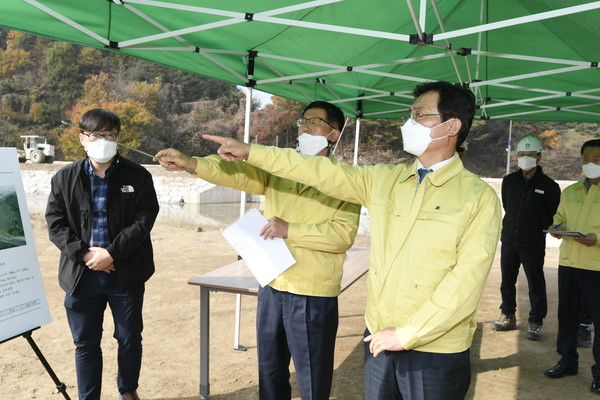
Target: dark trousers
[416,375]
[300,327]
[585,318]
[85,313]
[575,284]
[511,258]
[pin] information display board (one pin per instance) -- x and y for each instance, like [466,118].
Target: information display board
[23,304]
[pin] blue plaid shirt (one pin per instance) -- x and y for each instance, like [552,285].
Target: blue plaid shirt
[99,216]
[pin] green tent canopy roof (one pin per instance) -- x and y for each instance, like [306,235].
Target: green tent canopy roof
[524,60]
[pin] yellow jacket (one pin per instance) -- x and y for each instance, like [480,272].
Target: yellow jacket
[431,247]
[320,230]
[579,210]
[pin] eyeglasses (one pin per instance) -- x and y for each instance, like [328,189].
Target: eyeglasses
[311,122]
[93,136]
[415,116]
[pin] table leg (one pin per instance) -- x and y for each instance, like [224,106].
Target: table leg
[204,333]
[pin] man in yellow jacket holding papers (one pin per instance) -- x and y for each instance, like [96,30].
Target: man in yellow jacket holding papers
[579,264]
[297,312]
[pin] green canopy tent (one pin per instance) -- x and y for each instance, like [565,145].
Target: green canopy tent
[528,60]
[524,60]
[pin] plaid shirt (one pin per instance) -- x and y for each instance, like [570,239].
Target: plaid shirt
[99,216]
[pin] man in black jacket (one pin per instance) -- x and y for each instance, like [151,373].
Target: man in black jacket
[530,199]
[100,212]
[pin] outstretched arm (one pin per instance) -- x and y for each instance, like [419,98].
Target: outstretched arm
[174,160]
[231,149]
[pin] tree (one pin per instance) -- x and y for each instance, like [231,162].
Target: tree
[276,122]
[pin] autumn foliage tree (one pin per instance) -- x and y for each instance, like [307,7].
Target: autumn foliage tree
[43,82]
[275,124]
[134,104]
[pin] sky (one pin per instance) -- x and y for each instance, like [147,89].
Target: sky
[265,98]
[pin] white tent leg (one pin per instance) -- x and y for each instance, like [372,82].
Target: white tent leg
[356,141]
[508,148]
[238,298]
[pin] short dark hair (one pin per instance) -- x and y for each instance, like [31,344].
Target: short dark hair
[455,102]
[590,143]
[335,116]
[100,120]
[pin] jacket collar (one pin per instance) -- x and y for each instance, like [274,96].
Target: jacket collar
[89,169]
[536,176]
[437,177]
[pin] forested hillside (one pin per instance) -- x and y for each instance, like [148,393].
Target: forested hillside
[43,82]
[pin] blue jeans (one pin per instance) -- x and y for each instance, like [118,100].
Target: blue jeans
[85,314]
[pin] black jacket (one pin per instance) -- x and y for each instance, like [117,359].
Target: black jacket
[529,206]
[132,208]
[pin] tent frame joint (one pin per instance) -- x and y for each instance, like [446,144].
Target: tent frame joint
[112,45]
[417,40]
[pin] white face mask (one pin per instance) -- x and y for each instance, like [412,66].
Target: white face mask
[312,144]
[416,137]
[526,163]
[101,150]
[591,170]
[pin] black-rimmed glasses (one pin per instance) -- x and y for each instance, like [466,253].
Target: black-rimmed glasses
[93,136]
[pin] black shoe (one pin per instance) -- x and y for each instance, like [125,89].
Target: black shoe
[558,371]
[595,386]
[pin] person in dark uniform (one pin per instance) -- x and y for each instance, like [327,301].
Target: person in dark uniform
[530,199]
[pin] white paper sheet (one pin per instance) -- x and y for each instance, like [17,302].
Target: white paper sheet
[267,259]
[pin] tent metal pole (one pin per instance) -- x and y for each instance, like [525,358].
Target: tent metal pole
[508,147]
[356,141]
[238,297]
[246,139]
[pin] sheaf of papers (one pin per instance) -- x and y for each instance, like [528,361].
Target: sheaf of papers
[266,259]
[564,233]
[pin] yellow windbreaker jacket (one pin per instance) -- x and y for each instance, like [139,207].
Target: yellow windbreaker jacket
[579,210]
[320,230]
[431,247]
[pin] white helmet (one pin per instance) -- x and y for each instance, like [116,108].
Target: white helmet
[529,143]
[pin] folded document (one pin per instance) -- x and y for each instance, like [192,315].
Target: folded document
[266,259]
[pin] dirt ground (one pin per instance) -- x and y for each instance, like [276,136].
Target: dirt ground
[505,364]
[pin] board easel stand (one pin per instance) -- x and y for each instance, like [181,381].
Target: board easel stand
[60,386]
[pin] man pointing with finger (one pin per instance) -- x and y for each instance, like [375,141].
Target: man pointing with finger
[434,232]
[297,313]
